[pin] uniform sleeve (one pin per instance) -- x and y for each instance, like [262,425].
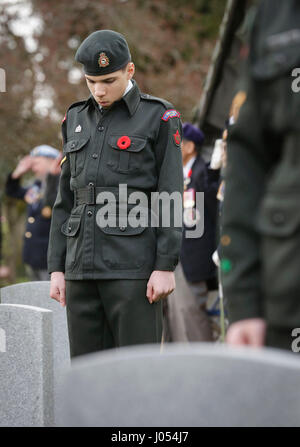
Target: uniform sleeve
[170,180]
[50,190]
[14,189]
[246,171]
[61,212]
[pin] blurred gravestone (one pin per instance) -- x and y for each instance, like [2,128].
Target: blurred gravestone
[36,293]
[200,384]
[26,366]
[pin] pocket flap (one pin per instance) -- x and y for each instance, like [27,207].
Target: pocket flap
[122,230]
[276,62]
[136,143]
[71,226]
[279,216]
[75,145]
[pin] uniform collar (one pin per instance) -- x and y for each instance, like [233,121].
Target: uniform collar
[89,101]
[131,98]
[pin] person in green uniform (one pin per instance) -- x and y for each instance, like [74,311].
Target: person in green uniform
[112,277]
[260,244]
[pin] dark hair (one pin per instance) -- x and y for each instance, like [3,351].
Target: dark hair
[125,66]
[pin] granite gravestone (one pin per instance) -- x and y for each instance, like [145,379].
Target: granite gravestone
[26,366]
[37,293]
[200,384]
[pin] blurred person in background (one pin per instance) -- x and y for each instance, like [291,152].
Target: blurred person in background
[260,240]
[188,319]
[44,162]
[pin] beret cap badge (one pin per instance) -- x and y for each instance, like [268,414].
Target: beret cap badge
[103,60]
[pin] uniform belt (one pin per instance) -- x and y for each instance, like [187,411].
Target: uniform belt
[88,194]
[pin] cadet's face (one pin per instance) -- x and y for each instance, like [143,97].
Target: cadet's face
[109,88]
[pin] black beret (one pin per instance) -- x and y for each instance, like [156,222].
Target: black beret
[103,52]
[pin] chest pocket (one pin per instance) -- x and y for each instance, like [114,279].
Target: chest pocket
[126,160]
[76,150]
[273,69]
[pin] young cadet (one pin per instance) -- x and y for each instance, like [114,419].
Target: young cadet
[112,278]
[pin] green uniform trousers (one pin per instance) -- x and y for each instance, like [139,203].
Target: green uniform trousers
[105,314]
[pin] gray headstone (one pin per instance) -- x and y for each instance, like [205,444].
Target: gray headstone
[200,384]
[36,293]
[26,366]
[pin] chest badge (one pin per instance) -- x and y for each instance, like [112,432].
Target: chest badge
[78,128]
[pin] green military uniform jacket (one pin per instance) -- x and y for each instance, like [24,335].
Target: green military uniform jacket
[96,163]
[260,246]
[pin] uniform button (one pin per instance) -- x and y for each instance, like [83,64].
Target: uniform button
[122,228]
[69,228]
[101,128]
[225,240]
[91,184]
[72,145]
[31,220]
[90,213]
[28,234]
[278,218]
[95,155]
[226,265]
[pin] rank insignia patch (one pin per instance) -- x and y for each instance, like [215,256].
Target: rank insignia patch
[103,60]
[177,138]
[171,113]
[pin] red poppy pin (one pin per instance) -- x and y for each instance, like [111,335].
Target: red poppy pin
[177,138]
[124,142]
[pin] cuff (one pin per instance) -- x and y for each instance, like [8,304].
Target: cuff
[165,262]
[56,266]
[243,304]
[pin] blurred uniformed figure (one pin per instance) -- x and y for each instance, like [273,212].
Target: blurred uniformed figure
[44,162]
[260,244]
[188,318]
[112,278]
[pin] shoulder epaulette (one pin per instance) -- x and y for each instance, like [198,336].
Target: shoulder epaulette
[75,104]
[165,103]
[78,103]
